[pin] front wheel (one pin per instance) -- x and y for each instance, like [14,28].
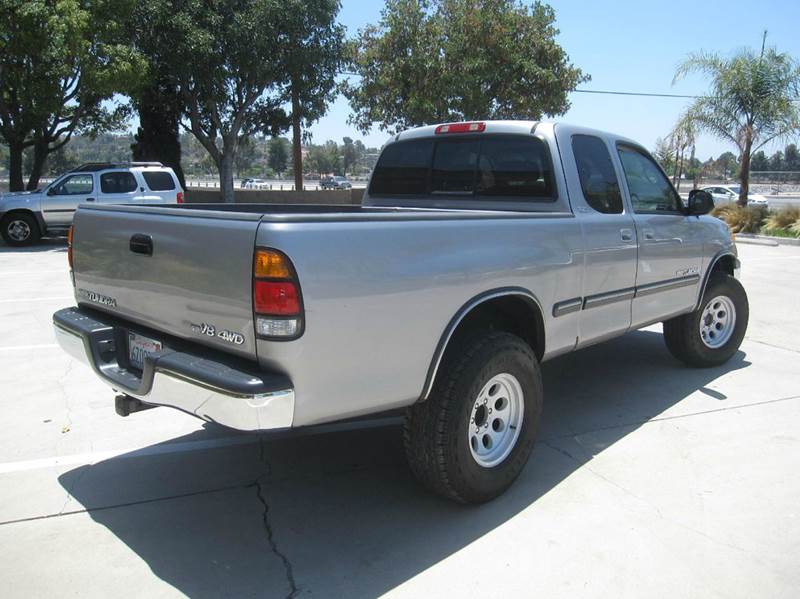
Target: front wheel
[710,335]
[472,437]
[19,229]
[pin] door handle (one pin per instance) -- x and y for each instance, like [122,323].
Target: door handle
[649,235]
[142,244]
[90,199]
[626,234]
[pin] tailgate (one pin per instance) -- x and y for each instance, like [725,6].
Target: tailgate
[184,272]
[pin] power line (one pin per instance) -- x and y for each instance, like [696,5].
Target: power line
[652,95]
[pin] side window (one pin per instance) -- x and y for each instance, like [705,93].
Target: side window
[118,182]
[454,167]
[596,172]
[159,180]
[650,190]
[514,167]
[403,168]
[75,185]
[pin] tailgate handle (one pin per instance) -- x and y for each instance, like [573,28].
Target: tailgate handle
[142,244]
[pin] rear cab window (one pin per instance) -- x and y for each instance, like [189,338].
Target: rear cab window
[159,180]
[499,168]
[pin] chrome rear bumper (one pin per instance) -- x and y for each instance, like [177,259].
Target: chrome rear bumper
[211,390]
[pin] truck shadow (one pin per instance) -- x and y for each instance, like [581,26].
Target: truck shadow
[45,245]
[339,513]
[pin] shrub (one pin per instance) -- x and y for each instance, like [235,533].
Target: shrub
[795,227]
[741,219]
[782,219]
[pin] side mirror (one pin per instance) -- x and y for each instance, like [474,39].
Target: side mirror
[51,191]
[700,202]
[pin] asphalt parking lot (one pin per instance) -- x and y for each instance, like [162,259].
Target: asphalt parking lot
[650,479]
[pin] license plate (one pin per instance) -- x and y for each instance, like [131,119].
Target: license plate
[139,347]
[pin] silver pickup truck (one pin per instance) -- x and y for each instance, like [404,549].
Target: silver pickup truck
[481,250]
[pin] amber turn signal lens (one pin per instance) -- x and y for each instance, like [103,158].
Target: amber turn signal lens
[270,264]
[69,247]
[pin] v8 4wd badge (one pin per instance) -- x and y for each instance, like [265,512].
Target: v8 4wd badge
[210,330]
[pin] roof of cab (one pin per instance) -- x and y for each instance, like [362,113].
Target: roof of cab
[518,127]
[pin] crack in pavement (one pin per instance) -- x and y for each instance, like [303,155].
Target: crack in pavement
[257,484]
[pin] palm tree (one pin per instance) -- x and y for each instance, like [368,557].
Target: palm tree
[753,100]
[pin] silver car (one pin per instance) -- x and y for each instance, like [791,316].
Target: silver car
[26,216]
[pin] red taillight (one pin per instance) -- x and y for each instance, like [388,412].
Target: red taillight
[179,197]
[277,303]
[276,298]
[475,127]
[69,246]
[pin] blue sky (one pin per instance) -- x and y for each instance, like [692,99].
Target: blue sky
[625,45]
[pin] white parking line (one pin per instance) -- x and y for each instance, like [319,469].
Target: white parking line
[25,347]
[36,299]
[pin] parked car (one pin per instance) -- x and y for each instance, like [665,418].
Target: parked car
[256,184]
[26,216]
[726,194]
[481,250]
[244,182]
[336,182]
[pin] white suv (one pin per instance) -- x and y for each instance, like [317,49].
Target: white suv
[28,215]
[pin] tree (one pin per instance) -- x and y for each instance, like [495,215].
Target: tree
[776,162]
[224,58]
[432,61]
[751,101]
[159,108]
[682,137]
[759,162]
[349,155]
[311,59]
[792,158]
[278,155]
[727,165]
[325,159]
[60,63]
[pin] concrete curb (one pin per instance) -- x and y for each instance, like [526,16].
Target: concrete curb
[765,240]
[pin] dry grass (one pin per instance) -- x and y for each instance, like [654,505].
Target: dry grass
[782,219]
[741,219]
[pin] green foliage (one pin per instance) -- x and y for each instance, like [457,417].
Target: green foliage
[759,161]
[325,159]
[278,157]
[61,60]
[751,101]
[448,60]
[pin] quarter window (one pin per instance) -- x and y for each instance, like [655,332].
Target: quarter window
[117,182]
[650,190]
[159,180]
[596,173]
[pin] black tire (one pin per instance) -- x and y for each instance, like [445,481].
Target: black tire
[682,334]
[13,225]
[436,431]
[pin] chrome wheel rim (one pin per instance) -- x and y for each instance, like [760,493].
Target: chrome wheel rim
[18,230]
[717,322]
[495,420]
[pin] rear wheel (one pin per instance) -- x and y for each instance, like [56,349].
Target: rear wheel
[20,229]
[710,335]
[472,437]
